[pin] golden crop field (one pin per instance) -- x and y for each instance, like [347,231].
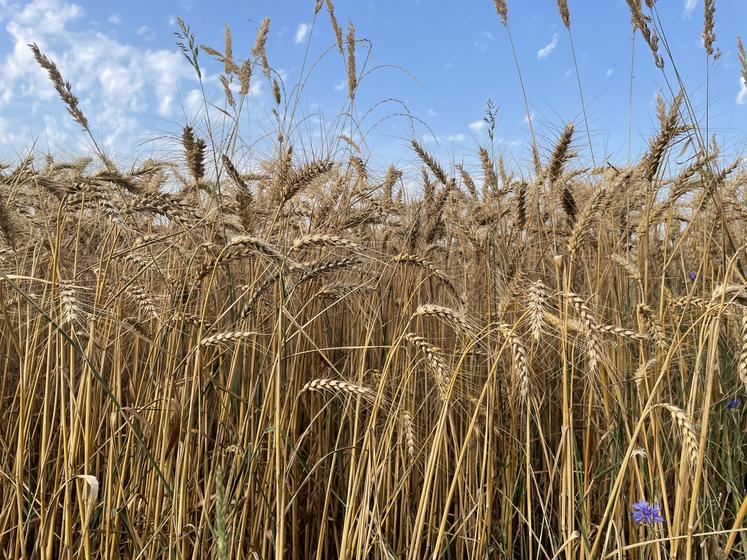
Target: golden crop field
[320,358]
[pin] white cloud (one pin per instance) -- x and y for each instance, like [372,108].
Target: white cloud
[145,31]
[432,112]
[545,51]
[456,137]
[301,32]
[116,82]
[742,95]
[689,7]
[609,72]
[114,19]
[476,126]
[340,85]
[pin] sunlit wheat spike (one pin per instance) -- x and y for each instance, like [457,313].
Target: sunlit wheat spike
[687,429]
[338,386]
[70,308]
[590,326]
[436,362]
[406,258]
[453,318]
[560,155]
[585,219]
[143,300]
[629,268]
[654,326]
[536,303]
[319,268]
[639,377]
[409,433]
[431,162]
[314,240]
[300,179]
[519,358]
[260,290]
[742,368]
[228,338]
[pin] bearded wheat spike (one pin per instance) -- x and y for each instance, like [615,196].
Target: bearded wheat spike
[437,363]
[338,386]
[314,240]
[590,326]
[453,318]
[640,374]
[227,337]
[406,258]
[537,301]
[743,354]
[585,219]
[69,304]
[653,324]
[318,268]
[408,433]
[519,358]
[689,435]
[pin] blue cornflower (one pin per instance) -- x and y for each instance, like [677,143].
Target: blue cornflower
[692,276]
[733,403]
[645,513]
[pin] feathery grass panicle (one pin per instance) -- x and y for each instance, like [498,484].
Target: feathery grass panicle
[335,26]
[641,22]
[742,60]
[63,87]
[709,17]
[259,50]
[565,14]
[502,10]
[352,73]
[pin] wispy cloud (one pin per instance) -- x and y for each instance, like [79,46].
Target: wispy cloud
[689,7]
[340,85]
[456,137]
[545,51]
[476,126]
[742,95]
[114,19]
[302,32]
[609,72]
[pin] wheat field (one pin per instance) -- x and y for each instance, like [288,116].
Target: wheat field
[318,358]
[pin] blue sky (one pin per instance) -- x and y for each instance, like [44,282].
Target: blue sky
[438,61]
